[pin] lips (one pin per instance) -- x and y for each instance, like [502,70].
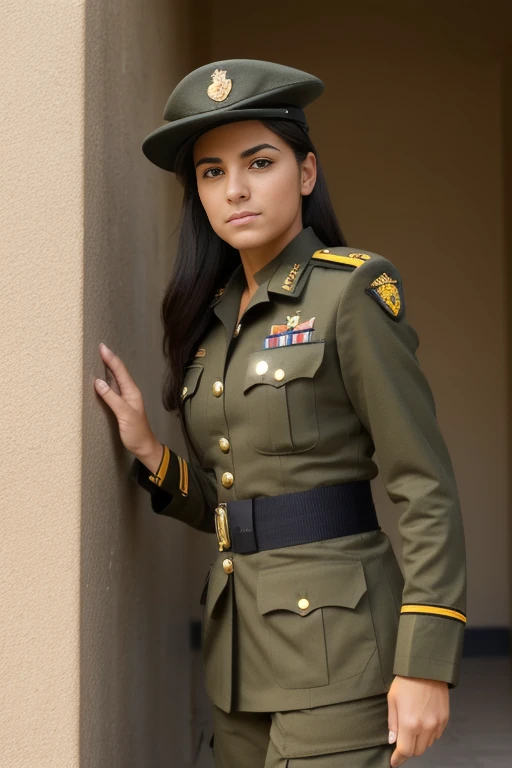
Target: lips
[242,218]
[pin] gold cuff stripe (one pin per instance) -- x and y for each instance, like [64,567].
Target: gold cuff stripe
[183,476]
[433,610]
[161,472]
[351,261]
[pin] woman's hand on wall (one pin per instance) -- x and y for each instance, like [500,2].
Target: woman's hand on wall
[128,407]
[418,711]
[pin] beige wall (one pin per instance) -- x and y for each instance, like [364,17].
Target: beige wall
[409,130]
[96,590]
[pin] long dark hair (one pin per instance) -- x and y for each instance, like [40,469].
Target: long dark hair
[205,261]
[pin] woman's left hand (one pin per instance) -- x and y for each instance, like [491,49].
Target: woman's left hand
[418,711]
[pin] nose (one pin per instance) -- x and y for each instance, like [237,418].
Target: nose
[236,188]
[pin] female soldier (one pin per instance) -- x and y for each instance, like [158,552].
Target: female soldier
[291,360]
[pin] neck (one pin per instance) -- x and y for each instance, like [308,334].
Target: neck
[254,259]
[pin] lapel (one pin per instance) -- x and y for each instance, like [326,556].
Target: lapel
[286,274]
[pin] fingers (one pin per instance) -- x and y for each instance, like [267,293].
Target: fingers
[405,746]
[126,384]
[114,401]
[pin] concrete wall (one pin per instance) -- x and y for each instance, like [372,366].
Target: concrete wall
[94,619]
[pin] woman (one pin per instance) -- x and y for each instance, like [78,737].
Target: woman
[291,360]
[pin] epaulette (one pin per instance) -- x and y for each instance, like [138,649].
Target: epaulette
[340,257]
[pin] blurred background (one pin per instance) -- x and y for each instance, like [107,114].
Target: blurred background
[99,613]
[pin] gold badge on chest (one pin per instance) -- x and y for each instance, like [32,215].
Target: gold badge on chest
[292,332]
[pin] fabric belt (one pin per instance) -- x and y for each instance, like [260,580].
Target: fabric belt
[268,522]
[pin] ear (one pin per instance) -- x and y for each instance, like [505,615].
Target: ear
[308,174]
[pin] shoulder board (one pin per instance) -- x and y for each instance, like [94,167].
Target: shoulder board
[343,257]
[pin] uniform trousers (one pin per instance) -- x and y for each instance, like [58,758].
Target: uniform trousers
[319,737]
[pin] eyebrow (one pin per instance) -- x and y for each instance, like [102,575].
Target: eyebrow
[245,153]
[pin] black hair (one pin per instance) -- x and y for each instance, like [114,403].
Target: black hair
[204,261]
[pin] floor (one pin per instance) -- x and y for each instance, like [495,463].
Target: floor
[479,733]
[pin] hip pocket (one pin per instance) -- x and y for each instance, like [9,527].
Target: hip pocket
[319,623]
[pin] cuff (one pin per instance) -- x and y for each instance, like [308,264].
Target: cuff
[170,481]
[429,643]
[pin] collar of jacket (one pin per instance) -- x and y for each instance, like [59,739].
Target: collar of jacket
[272,277]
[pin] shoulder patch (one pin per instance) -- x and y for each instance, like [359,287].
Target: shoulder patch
[388,293]
[342,256]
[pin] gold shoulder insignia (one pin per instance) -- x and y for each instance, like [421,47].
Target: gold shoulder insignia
[388,293]
[345,259]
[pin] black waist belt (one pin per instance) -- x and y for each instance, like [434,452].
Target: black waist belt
[268,522]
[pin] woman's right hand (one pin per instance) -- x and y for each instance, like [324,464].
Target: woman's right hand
[128,407]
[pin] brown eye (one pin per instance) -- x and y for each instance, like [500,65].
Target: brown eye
[205,176]
[262,160]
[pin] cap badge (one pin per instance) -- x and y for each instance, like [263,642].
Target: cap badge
[220,87]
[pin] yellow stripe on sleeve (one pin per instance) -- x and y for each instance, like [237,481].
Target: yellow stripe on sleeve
[434,610]
[183,476]
[159,475]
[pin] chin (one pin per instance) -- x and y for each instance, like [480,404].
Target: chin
[242,240]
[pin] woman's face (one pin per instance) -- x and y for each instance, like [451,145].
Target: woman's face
[244,167]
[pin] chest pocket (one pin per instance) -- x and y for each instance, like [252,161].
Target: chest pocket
[279,391]
[189,403]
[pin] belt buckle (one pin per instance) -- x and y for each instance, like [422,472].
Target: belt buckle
[221,525]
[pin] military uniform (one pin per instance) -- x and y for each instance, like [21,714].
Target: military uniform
[300,643]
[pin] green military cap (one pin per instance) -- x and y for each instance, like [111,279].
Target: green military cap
[225,91]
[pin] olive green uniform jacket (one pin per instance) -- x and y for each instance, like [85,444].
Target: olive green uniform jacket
[355,390]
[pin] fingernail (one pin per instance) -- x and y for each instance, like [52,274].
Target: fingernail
[391,737]
[101,385]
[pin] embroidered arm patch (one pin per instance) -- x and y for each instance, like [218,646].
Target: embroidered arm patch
[388,293]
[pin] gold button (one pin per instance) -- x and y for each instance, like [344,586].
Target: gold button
[184,392]
[279,374]
[218,388]
[227,564]
[303,603]
[326,250]
[224,444]
[227,479]
[261,367]
[237,329]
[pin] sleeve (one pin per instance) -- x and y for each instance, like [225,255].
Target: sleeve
[392,397]
[180,489]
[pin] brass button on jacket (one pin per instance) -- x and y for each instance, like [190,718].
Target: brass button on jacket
[227,564]
[224,444]
[218,388]
[227,479]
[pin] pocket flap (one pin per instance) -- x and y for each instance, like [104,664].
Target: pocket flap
[190,380]
[292,362]
[323,583]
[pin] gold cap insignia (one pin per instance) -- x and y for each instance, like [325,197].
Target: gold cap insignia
[220,88]
[388,293]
